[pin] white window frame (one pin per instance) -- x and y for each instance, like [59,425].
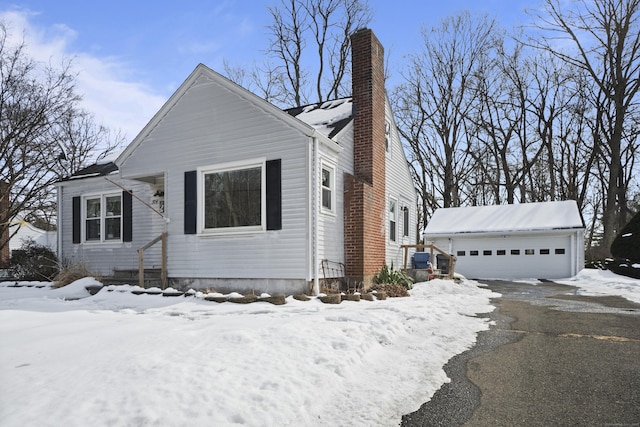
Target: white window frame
[229,167]
[102,217]
[332,189]
[393,236]
[406,221]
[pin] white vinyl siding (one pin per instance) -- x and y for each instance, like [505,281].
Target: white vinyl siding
[399,187]
[101,259]
[197,132]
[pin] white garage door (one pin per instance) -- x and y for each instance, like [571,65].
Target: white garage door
[539,257]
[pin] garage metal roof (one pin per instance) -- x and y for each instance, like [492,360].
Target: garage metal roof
[505,218]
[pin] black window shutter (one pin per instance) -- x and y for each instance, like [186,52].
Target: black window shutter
[190,202]
[76,219]
[127,216]
[274,194]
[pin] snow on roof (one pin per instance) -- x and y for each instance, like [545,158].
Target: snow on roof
[505,218]
[327,118]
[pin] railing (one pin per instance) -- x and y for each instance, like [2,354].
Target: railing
[163,238]
[452,260]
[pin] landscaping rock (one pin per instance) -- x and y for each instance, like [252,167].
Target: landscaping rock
[331,299]
[301,297]
[275,300]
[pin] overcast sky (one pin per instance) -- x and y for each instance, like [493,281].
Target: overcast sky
[131,56]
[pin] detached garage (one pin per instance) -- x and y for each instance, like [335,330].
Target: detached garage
[530,240]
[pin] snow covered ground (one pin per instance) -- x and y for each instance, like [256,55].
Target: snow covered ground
[115,358]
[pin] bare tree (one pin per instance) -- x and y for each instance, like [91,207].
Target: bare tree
[308,51]
[43,135]
[605,37]
[433,105]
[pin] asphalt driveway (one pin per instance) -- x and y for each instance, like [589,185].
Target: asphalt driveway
[553,358]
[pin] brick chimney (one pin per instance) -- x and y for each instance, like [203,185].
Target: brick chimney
[365,199]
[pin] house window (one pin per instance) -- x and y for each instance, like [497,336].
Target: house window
[405,221]
[529,252]
[460,253]
[103,218]
[560,251]
[473,253]
[233,198]
[544,251]
[501,252]
[515,251]
[392,220]
[487,253]
[327,187]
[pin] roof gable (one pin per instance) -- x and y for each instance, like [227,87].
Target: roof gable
[505,218]
[202,71]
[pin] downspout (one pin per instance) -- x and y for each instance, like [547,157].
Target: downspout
[59,232]
[314,217]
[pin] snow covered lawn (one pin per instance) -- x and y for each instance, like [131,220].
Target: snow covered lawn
[117,359]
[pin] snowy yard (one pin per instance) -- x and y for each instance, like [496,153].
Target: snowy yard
[116,358]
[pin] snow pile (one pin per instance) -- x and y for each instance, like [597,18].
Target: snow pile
[605,282]
[116,358]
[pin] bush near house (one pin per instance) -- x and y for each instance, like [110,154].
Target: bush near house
[33,262]
[388,276]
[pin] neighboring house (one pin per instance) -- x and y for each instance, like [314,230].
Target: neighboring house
[22,232]
[251,197]
[530,240]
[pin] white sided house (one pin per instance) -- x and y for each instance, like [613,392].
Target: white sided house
[530,240]
[251,197]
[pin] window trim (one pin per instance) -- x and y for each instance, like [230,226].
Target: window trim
[332,189]
[102,218]
[393,236]
[228,167]
[406,218]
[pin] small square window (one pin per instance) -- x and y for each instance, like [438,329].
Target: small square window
[560,251]
[501,252]
[473,253]
[529,251]
[460,253]
[487,253]
[515,251]
[544,251]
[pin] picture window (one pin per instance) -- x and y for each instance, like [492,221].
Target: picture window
[233,198]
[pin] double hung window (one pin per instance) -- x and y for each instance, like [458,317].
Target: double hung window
[103,218]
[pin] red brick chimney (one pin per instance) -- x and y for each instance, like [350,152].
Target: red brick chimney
[365,200]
